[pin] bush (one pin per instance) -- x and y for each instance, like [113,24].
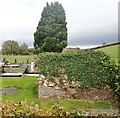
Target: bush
[116,82]
[90,68]
[21,109]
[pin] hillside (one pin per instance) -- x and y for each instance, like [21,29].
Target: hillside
[111,50]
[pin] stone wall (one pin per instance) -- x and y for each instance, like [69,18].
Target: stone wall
[58,87]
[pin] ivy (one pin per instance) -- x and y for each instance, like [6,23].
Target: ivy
[90,68]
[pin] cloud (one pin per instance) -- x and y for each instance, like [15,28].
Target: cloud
[88,21]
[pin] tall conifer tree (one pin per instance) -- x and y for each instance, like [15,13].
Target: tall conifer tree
[51,33]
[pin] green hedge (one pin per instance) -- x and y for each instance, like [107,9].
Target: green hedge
[91,68]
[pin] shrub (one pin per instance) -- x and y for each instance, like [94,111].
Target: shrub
[90,68]
[21,109]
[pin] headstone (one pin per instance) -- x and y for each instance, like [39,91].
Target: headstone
[3,60]
[27,61]
[32,66]
[26,69]
[2,69]
[15,61]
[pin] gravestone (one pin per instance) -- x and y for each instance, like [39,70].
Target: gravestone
[32,66]
[2,62]
[15,61]
[27,61]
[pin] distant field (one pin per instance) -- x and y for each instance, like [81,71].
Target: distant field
[112,51]
[19,58]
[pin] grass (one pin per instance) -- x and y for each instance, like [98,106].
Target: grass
[27,92]
[27,87]
[14,70]
[112,51]
[19,58]
[76,104]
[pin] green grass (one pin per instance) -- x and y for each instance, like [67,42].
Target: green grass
[26,86]
[27,92]
[112,51]
[19,58]
[14,70]
[76,104]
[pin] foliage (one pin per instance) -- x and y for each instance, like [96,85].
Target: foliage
[10,47]
[23,49]
[51,33]
[116,83]
[113,52]
[114,71]
[91,68]
[31,51]
[22,109]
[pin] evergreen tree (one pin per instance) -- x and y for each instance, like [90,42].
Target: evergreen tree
[51,33]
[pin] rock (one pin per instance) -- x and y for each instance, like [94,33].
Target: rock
[57,88]
[66,85]
[40,82]
[39,79]
[45,96]
[96,98]
[56,80]
[45,84]
[74,84]
[71,91]
[64,81]
[65,77]
[51,85]
[46,81]
[42,76]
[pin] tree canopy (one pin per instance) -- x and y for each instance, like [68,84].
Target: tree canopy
[23,49]
[51,33]
[10,47]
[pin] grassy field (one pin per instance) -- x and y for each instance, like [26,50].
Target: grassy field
[27,92]
[19,58]
[112,51]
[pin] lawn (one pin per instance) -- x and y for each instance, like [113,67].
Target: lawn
[27,92]
[21,70]
[19,58]
[112,51]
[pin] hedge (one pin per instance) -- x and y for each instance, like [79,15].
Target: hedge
[90,68]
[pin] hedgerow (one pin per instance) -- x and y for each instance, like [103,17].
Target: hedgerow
[21,109]
[90,68]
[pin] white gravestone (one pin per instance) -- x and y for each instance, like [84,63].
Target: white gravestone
[32,66]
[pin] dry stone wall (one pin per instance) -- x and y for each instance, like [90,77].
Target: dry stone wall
[60,88]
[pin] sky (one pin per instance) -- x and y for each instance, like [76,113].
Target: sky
[89,22]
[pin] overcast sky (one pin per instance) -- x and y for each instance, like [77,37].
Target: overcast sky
[89,22]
